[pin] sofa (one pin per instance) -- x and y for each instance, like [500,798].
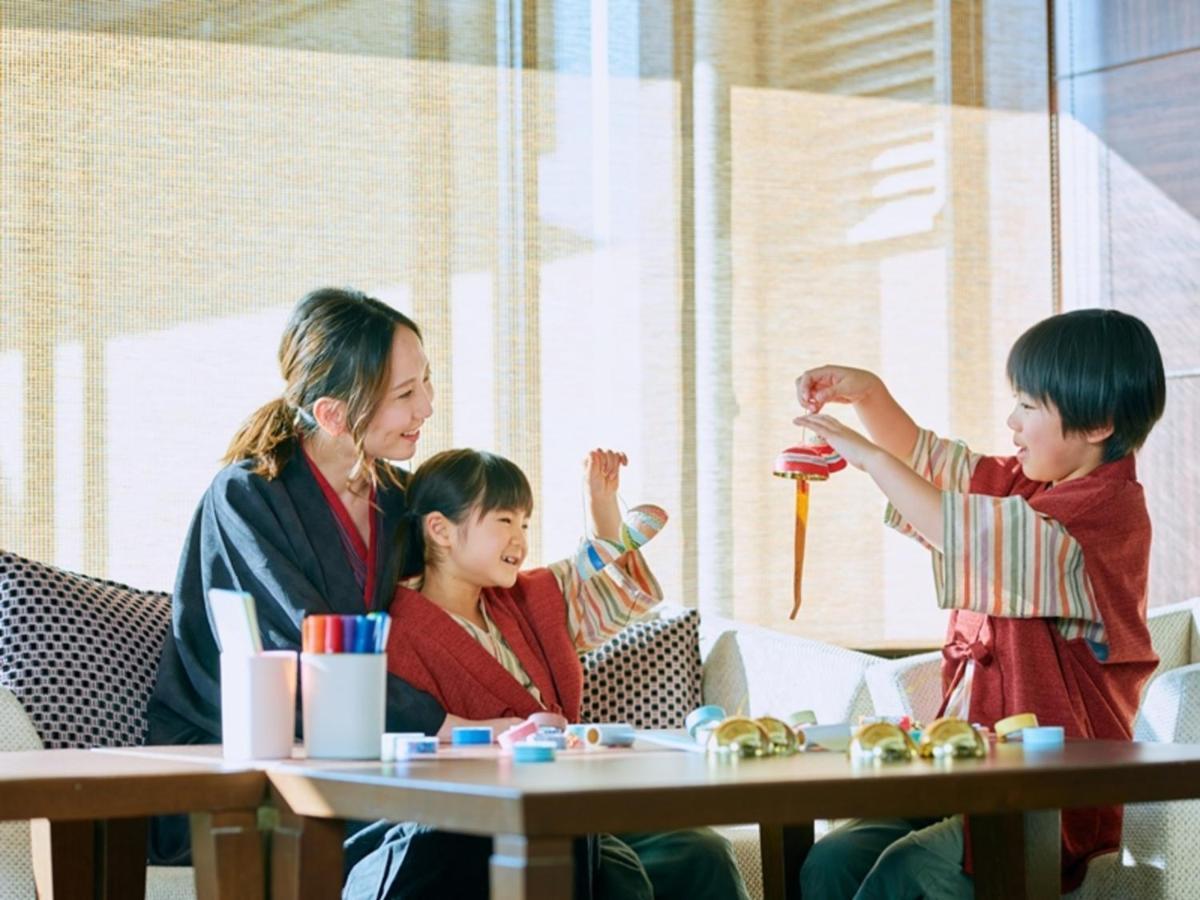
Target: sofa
[77,659]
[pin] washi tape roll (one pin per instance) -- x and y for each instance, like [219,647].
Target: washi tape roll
[1044,737]
[548,720]
[1008,728]
[616,734]
[802,717]
[825,737]
[514,734]
[407,748]
[555,736]
[701,716]
[471,734]
[387,743]
[533,752]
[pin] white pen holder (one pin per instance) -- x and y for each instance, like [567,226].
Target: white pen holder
[345,696]
[258,704]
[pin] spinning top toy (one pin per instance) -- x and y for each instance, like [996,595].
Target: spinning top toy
[881,742]
[951,738]
[805,463]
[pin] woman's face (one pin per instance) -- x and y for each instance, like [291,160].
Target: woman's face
[407,402]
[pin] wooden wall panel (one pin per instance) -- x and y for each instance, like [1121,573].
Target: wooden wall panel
[1098,34]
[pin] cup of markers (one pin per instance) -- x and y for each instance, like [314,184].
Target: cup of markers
[346,634]
[343,684]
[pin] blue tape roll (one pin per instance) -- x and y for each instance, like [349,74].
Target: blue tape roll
[612,734]
[702,715]
[471,734]
[1045,737]
[533,752]
[551,736]
[406,748]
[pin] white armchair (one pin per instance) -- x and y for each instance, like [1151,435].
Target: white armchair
[16,863]
[1155,859]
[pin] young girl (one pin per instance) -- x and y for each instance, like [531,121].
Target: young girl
[1042,558]
[494,644]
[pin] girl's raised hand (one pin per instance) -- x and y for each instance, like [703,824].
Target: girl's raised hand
[833,384]
[602,470]
[853,447]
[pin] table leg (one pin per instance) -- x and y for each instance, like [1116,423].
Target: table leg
[1017,854]
[102,859]
[64,858]
[123,851]
[306,857]
[783,849]
[532,868]
[227,853]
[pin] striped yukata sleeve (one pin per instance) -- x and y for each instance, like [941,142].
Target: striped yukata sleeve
[600,606]
[947,465]
[1002,558]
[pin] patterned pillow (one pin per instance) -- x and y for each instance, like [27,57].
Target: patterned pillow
[80,654]
[648,675]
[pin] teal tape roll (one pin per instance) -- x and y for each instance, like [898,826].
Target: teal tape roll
[470,734]
[533,752]
[1045,737]
[701,716]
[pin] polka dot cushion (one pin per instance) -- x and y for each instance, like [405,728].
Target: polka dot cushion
[648,675]
[80,654]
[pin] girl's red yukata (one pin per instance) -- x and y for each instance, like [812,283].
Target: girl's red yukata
[1047,587]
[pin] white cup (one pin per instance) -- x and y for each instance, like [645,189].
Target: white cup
[258,704]
[345,696]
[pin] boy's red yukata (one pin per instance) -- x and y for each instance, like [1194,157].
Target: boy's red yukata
[1047,587]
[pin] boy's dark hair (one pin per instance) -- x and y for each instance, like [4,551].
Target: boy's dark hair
[455,483]
[1097,367]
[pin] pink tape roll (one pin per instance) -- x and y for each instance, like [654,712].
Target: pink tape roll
[517,733]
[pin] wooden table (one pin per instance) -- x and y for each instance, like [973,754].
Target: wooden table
[534,810]
[97,804]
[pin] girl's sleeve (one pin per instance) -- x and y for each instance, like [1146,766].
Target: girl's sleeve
[602,599]
[1003,558]
[947,465]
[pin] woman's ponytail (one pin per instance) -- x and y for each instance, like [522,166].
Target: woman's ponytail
[265,438]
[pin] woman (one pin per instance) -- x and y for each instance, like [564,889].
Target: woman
[301,513]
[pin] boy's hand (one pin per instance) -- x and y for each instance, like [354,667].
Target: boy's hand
[602,471]
[853,447]
[833,384]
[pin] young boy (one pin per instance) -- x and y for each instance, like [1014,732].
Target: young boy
[1041,557]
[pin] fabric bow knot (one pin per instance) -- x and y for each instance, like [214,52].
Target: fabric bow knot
[961,650]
